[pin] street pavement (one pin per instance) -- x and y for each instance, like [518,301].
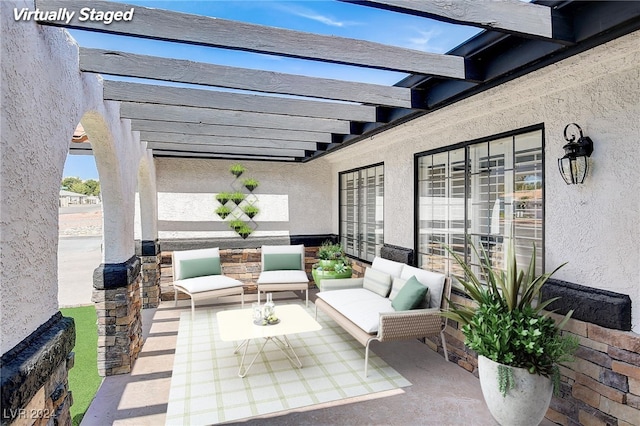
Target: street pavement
[79,253]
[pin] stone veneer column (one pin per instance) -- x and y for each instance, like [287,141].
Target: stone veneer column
[34,377]
[117,297]
[151,259]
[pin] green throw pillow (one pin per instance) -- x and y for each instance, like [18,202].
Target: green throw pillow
[191,268]
[410,295]
[282,262]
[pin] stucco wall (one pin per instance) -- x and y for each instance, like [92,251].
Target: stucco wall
[294,199]
[44,97]
[594,227]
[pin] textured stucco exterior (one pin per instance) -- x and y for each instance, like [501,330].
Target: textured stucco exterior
[44,97]
[594,227]
[295,199]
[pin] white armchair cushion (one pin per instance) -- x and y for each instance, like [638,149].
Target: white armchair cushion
[178,256]
[286,249]
[207,283]
[282,277]
[433,280]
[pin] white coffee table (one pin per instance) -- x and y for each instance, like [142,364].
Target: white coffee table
[237,324]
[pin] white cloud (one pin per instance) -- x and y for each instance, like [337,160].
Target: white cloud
[427,41]
[315,16]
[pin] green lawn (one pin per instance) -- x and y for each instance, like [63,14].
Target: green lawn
[83,377]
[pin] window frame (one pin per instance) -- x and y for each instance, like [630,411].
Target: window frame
[467,193]
[340,216]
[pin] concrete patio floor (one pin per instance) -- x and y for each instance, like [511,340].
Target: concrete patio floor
[441,392]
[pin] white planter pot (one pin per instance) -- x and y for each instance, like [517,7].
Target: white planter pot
[525,404]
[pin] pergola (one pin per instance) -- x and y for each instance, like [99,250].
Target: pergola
[294,118]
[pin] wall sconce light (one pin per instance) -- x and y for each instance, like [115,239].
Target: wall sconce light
[574,165]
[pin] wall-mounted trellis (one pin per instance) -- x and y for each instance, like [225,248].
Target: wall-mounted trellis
[238,207]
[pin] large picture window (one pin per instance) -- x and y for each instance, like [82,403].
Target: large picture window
[485,191]
[361,211]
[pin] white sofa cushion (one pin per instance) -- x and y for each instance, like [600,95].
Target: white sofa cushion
[282,277]
[207,283]
[396,285]
[377,281]
[387,266]
[433,280]
[360,306]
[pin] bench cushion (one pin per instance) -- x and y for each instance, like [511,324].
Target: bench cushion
[208,283]
[433,280]
[361,306]
[387,266]
[282,277]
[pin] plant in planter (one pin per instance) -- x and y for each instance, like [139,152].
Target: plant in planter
[223,211]
[518,346]
[237,170]
[332,263]
[250,210]
[250,183]
[237,197]
[223,197]
[236,224]
[244,231]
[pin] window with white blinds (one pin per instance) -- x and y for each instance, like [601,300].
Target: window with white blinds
[361,211]
[484,191]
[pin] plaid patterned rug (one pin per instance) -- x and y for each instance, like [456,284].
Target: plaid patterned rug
[205,387]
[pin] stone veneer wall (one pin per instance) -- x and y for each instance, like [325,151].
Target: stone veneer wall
[35,388]
[118,303]
[602,385]
[150,257]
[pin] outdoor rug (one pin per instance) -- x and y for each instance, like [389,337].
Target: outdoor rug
[206,389]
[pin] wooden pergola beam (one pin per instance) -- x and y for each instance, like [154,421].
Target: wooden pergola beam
[183,71]
[148,93]
[215,141]
[272,152]
[199,129]
[167,25]
[157,152]
[141,111]
[509,16]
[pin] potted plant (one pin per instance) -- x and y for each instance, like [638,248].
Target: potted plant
[250,210]
[250,183]
[223,211]
[236,224]
[518,346]
[244,231]
[237,170]
[332,263]
[237,197]
[223,197]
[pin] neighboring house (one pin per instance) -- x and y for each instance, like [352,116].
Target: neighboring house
[68,198]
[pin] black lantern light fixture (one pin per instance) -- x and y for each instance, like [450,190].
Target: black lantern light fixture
[575,164]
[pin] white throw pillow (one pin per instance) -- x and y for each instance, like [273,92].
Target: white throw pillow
[377,282]
[433,280]
[396,284]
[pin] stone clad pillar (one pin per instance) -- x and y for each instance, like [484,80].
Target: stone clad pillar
[118,306]
[150,258]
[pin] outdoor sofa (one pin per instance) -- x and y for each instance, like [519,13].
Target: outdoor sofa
[378,307]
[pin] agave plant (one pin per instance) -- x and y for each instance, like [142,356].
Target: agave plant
[508,325]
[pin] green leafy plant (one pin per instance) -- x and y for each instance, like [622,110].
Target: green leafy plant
[244,231]
[250,183]
[237,197]
[250,210]
[236,224]
[237,170]
[223,211]
[508,325]
[223,197]
[332,258]
[330,251]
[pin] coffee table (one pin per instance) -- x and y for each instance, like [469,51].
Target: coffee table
[237,324]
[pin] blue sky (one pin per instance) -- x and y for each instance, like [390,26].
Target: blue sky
[315,16]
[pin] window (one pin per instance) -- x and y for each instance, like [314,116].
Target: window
[361,211]
[487,191]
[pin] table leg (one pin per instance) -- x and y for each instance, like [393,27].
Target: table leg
[284,346]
